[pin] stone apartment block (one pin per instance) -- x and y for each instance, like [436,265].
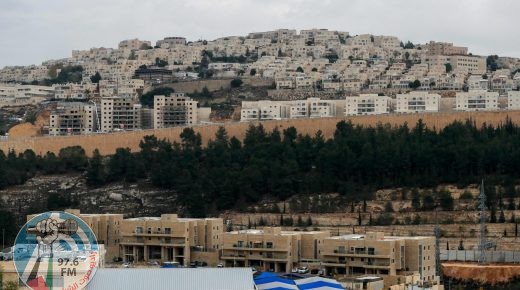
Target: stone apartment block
[174,110]
[417,102]
[106,228]
[513,100]
[170,238]
[276,35]
[367,104]
[360,40]
[19,95]
[478,100]
[134,44]
[375,254]
[73,119]
[462,63]
[271,249]
[168,42]
[276,110]
[120,113]
[444,48]
[165,238]
[388,42]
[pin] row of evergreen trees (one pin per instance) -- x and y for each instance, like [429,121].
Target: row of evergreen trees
[230,174]
[279,164]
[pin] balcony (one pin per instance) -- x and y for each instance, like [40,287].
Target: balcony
[354,254]
[152,234]
[255,248]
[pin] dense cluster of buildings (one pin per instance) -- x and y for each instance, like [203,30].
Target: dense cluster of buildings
[185,241]
[125,113]
[375,104]
[315,60]
[331,60]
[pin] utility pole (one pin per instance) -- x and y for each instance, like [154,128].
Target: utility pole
[482,241]
[437,231]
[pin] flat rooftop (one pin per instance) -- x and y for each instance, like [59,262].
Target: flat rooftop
[356,237]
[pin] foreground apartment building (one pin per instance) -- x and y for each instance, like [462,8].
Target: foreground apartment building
[367,104]
[176,110]
[170,238]
[106,228]
[164,238]
[375,254]
[417,102]
[73,119]
[513,100]
[271,249]
[276,110]
[477,100]
[120,113]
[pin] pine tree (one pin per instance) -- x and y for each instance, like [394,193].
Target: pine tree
[309,221]
[416,202]
[493,215]
[95,171]
[389,207]
[299,221]
[502,218]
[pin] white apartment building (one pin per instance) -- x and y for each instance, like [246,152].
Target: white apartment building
[417,102]
[276,110]
[174,110]
[73,119]
[263,110]
[20,95]
[321,108]
[463,63]
[513,100]
[298,109]
[367,104]
[120,113]
[477,100]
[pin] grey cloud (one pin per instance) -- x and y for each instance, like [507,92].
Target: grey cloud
[35,30]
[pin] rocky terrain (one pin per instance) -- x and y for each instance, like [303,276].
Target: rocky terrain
[61,191]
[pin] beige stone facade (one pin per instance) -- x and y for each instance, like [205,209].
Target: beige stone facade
[73,119]
[106,228]
[174,110]
[170,238]
[120,113]
[271,249]
[375,254]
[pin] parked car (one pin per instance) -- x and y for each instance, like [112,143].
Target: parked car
[127,265]
[303,270]
[220,265]
[170,265]
[7,254]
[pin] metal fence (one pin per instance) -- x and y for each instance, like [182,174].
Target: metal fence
[473,256]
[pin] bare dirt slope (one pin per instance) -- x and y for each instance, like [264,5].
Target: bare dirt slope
[486,274]
[30,130]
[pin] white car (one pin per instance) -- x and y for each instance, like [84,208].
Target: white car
[220,265]
[303,270]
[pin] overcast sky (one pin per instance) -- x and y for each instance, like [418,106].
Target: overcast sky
[34,30]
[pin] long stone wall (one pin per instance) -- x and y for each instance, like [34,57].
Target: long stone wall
[108,143]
